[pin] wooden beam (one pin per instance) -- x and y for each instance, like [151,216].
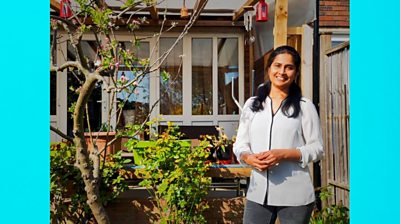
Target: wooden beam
[55,5]
[338,47]
[182,23]
[226,12]
[153,12]
[280,27]
[238,13]
[295,31]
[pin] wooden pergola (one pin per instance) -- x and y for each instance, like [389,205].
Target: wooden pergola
[226,17]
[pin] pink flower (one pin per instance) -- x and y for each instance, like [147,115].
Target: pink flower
[124,78]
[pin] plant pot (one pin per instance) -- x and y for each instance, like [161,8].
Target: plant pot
[219,156]
[101,138]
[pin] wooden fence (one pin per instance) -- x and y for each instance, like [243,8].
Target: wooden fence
[334,113]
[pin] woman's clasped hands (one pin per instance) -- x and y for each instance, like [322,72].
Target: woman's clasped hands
[263,160]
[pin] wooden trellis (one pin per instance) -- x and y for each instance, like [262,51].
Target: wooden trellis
[334,113]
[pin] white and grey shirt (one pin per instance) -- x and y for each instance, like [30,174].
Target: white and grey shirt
[289,183]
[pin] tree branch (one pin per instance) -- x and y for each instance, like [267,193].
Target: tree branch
[61,134]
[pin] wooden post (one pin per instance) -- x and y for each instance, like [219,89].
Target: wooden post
[280,26]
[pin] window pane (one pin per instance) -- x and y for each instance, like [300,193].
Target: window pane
[202,96]
[74,79]
[171,102]
[136,107]
[227,70]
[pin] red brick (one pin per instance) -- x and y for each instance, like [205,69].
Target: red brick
[340,8]
[329,3]
[334,23]
[325,8]
[328,18]
[329,13]
[344,13]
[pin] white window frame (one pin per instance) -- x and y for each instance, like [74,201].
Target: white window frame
[60,119]
[215,119]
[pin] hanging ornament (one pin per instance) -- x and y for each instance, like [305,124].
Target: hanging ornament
[184,11]
[65,9]
[248,23]
[248,20]
[262,11]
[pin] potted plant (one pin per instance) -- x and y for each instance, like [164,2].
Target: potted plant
[220,148]
[102,137]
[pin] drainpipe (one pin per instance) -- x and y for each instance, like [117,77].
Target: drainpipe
[316,59]
[316,65]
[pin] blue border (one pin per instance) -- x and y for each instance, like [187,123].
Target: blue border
[24,166]
[374,111]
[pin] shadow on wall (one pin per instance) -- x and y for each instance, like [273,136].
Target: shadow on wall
[134,207]
[225,210]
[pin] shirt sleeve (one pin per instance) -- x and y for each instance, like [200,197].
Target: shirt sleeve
[242,143]
[312,151]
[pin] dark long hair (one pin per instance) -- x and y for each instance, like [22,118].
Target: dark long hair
[294,96]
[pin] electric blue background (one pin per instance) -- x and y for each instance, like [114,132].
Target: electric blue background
[24,112]
[374,111]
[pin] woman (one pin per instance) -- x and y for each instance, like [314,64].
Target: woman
[279,134]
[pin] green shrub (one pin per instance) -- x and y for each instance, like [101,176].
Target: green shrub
[67,189]
[332,214]
[176,177]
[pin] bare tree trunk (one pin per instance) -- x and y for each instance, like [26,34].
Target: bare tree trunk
[92,182]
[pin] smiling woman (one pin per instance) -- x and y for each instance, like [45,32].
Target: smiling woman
[279,134]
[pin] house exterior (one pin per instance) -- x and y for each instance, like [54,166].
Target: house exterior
[218,62]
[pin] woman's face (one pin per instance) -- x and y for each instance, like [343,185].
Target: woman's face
[282,71]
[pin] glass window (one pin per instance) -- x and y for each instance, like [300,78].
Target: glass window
[75,80]
[171,102]
[202,85]
[136,106]
[227,73]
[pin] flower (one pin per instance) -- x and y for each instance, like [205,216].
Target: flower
[124,79]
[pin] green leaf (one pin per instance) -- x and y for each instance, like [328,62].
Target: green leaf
[127,161]
[165,76]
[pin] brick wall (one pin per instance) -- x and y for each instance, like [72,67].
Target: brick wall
[334,13]
[221,210]
[133,206]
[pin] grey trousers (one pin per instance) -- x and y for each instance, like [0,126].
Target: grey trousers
[255,213]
